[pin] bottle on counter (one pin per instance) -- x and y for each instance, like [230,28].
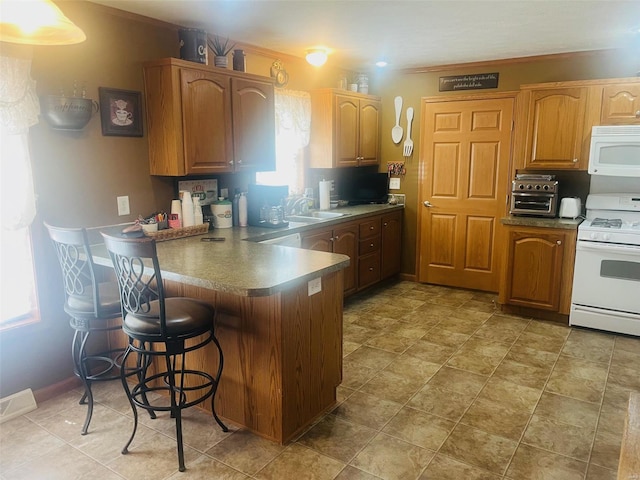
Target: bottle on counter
[198,217]
[235,212]
[187,210]
[242,210]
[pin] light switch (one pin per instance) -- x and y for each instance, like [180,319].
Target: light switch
[123,205]
[394,183]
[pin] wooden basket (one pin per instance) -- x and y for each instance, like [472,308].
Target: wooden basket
[174,233]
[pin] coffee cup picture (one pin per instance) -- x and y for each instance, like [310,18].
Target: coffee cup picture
[122,115]
[121,112]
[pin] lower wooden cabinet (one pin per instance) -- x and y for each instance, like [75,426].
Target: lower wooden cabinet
[538,271]
[373,244]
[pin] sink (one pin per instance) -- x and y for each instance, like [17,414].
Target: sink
[317,216]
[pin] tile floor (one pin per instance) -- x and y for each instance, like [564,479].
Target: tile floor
[437,385]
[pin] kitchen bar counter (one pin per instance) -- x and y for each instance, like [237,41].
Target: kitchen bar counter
[280,333]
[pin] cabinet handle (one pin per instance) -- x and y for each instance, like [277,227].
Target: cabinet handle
[385,224]
[638,114]
[575,160]
[371,269]
[331,239]
[239,162]
[371,227]
[230,162]
[371,245]
[337,237]
[559,242]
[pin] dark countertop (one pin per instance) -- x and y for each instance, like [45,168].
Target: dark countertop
[240,265]
[526,221]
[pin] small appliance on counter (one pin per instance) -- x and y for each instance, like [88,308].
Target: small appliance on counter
[265,205]
[570,207]
[534,195]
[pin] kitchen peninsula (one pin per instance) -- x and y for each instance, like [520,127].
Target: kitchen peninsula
[280,330]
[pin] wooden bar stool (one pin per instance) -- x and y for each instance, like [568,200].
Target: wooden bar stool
[91,305]
[165,329]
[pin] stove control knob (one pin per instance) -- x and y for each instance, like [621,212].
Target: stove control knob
[529,187]
[606,236]
[593,235]
[521,186]
[537,187]
[546,187]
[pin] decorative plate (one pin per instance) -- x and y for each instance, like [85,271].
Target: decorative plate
[279,74]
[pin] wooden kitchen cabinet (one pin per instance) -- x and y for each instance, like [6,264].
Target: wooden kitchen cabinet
[345,129]
[620,104]
[391,244]
[553,126]
[369,251]
[204,120]
[538,271]
[340,239]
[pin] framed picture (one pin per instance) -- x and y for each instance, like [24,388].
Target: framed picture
[120,112]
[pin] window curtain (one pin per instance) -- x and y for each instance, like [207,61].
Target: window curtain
[19,109]
[293,127]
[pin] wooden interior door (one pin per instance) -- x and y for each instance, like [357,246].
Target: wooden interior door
[464,175]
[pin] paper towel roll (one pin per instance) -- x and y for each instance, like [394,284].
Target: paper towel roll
[325,195]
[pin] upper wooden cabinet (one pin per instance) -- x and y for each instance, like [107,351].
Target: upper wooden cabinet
[621,104]
[345,129]
[204,120]
[554,127]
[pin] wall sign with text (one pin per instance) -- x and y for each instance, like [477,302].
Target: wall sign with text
[477,81]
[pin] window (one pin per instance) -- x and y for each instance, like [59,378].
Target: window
[293,122]
[19,109]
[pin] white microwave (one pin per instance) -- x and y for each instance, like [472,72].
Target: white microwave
[615,151]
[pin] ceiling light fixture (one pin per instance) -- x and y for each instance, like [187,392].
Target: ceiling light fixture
[37,22]
[381,63]
[316,56]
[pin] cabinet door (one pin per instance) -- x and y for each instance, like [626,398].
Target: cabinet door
[206,109]
[318,240]
[533,275]
[369,133]
[345,241]
[346,148]
[254,133]
[391,244]
[555,129]
[621,104]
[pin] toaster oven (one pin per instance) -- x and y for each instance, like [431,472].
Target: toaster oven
[534,197]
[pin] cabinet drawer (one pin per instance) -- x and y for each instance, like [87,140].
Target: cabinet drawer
[370,228]
[369,245]
[368,270]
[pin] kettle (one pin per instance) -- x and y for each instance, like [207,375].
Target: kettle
[570,207]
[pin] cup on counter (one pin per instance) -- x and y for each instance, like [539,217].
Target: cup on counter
[176,211]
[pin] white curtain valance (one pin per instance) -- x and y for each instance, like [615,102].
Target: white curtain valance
[19,104]
[293,113]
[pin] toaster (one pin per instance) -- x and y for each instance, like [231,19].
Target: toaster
[570,207]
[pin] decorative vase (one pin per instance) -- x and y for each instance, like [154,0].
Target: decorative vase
[221,62]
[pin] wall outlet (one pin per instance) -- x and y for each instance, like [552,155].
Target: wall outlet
[123,206]
[394,183]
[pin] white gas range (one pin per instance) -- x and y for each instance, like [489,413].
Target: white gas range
[606,283]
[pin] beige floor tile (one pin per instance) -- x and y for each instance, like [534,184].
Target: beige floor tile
[366,410]
[515,372]
[371,357]
[474,362]
[419,428]
[568,410]
[466,326]
[336,438]
[624,377]
[612,419]
[495,418]
[355,333]
[348,347]
[581,368]
[511,395]
[390,343]
[530,463]
[399,301]
[392,459]
[354,374]
[353,473]
[549,329]
[479,306]
[206,468]
[446,468]
[408,330]
[441,402]
[22,441]
[568,440]
[497,332]
[413,368]
[301,463]
[457,380]
[534,339]
[606,449]
[199,429]
[420,318]
[390,386]
[373,319]
[475,447]
[586,389]
[595,472]
[245,452]
[624,358]
[384,311]
[69,463]
[446,338]
[532,357]
[430,352]
[616,396]
[590,345]
[629,344]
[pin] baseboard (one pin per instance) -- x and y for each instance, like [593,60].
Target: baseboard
[51,391]
[17,404]
[407,277]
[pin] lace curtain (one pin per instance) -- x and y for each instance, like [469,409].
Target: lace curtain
[19,109]
[293,127]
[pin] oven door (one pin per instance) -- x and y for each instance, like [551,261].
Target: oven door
[538,204]
[607,276]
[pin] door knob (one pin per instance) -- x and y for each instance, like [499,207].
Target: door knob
[427,203]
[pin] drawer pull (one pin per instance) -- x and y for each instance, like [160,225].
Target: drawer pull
[638,114]
[371,245]
[371,227]
[371,269]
